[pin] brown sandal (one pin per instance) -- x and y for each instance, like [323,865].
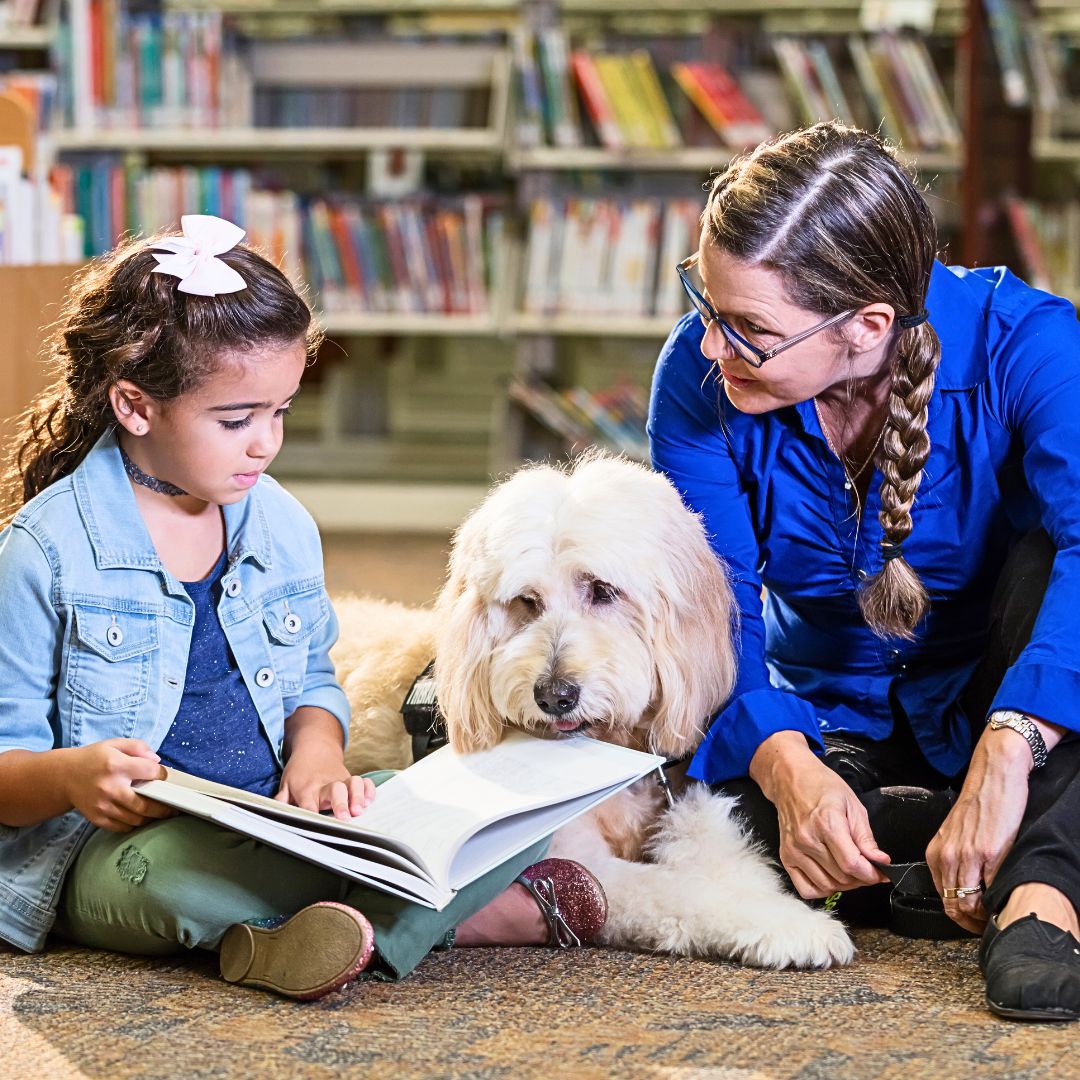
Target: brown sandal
[307,956]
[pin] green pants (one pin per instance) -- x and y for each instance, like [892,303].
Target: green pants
[181,882]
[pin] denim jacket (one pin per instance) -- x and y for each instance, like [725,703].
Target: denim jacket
[94,639]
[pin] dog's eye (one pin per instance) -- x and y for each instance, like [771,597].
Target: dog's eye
[530,603]
[603,593]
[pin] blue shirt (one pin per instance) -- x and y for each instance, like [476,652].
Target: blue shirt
[97,632]
[1004,426]
[217,734]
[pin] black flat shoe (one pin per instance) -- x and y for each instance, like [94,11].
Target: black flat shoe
[1032,970]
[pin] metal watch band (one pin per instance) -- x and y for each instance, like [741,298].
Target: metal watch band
[1025,726]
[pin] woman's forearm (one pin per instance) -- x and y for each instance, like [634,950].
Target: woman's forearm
[779,759]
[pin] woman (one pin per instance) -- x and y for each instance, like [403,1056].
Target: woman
[833,371]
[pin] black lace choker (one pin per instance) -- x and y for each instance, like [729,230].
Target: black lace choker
[162,487]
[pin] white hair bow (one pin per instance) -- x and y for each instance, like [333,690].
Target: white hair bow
[194,259]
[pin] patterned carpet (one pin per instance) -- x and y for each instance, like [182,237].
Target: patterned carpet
[905,1010]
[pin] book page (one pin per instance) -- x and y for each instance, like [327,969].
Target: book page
[486,849]
[436,805]
[400,880]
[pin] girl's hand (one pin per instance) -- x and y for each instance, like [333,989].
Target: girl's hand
[976,836]
[315,776]
[98,780]
[825,839]
[317,782]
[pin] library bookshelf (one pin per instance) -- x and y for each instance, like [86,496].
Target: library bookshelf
[423,397]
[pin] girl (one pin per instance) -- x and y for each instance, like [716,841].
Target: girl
[163,604]
[832,370]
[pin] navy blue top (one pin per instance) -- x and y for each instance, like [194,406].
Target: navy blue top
[1004,426]
[217,734]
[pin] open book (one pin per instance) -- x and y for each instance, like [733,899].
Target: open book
[437,825]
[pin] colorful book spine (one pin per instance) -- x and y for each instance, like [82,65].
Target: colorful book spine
[598,104]
[718,98]
[602,257]
[530,100]
[642,71]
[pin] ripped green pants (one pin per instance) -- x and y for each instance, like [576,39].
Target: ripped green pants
[179,883]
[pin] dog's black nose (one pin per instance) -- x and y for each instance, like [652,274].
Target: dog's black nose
[556,696]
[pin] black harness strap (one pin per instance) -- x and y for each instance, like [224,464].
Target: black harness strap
[420,712]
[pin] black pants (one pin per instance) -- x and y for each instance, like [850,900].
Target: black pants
[907,799]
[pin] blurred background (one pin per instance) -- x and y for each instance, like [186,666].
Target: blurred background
[486,199]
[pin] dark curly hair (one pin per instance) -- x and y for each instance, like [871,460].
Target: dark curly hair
[123,321]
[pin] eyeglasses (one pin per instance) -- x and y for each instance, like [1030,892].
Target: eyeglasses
[748,351]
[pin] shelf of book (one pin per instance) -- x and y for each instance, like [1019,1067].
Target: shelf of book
[219,142]
[423,432]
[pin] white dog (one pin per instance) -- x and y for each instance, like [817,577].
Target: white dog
[588,600]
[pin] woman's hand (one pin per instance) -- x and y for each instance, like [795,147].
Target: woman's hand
[976,836]
[826,844]
[98,778]
[315,776]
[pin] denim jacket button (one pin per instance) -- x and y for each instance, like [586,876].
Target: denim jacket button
[264,677]
[293,623]
[233,588]
[114,636]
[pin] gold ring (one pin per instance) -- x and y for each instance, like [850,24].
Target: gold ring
[960,893]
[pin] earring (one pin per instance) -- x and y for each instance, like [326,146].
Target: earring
[140,429]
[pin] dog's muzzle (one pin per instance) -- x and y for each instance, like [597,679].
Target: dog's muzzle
[556,697]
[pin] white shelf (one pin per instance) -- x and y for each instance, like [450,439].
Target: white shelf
[625,326]
[26,37]
[368,506]
[731,7]
[363,324]
[683,159]
[277,140]
[1056,150]
[340,7]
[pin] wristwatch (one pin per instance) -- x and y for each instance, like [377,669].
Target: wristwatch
[1022,725]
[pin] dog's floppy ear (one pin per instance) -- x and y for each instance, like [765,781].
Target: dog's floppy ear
[463,655]
[692,640]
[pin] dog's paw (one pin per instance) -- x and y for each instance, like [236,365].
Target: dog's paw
[812,939]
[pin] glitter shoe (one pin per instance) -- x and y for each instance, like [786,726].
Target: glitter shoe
[571,900]
[307,956]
